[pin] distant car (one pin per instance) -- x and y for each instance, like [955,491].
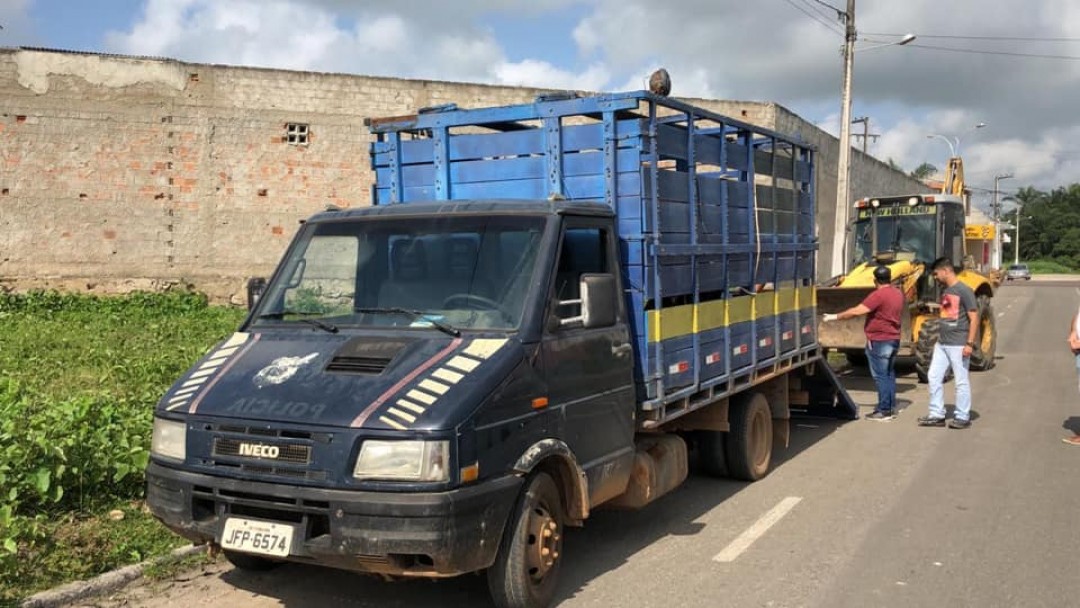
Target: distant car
[1018,271]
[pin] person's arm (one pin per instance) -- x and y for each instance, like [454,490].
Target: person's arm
[1074,340]
[973,332]
[858,310]
[855,311]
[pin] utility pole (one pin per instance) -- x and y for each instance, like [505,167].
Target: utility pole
[843,172]
[866,134]
[995,257]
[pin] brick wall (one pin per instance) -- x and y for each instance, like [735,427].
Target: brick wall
[120,173]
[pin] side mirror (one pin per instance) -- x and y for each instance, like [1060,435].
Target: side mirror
[598,303]
[255,288]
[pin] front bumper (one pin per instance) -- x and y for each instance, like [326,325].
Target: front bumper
[434,534]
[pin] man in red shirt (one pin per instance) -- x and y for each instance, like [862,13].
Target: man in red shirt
[882,308]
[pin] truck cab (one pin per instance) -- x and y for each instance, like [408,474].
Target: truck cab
[402,368]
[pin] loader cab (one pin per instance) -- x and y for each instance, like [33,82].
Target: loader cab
[918,229]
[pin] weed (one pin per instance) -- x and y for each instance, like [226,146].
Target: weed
[79,376]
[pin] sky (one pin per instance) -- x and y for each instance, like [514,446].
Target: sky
[1011,64]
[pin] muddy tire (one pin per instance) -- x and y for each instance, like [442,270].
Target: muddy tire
[526,569]
[982,358]
[856,359]
[711,453]
[250,563]
[929,333]
[749,442]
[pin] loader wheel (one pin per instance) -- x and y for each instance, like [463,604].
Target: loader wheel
[749,442]
[856,359]
[526,569]
[924,347]
[982,358]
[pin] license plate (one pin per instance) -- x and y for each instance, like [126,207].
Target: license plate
[257,536]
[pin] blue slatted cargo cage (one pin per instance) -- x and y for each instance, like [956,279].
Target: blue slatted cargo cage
[715,219]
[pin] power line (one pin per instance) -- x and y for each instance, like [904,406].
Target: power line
[815,16]
[1002,38]
[824,13]
[840,13]
[984,52]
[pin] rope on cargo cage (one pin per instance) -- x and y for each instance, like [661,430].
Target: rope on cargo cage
[757,233]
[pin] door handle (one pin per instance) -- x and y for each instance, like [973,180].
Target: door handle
[621,350]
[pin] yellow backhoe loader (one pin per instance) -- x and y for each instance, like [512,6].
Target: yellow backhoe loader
[907,233]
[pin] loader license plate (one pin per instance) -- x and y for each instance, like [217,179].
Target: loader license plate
[257,536]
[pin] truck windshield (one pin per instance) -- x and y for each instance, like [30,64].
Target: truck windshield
[913,231]
[446,272]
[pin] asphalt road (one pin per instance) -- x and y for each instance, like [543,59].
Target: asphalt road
[863,513]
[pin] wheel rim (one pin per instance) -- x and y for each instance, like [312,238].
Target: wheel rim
[544,540]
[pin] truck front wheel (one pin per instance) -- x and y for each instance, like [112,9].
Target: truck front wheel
[526,569]
[749,442]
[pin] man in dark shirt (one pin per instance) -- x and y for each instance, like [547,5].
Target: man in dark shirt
[882,308]
[959,322]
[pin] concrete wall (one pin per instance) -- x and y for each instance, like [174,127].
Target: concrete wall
[120,173]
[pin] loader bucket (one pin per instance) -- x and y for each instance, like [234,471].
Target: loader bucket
[846,335]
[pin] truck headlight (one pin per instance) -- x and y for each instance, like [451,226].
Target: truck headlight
[403,460]
[169,439]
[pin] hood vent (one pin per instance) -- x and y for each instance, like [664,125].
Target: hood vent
[365,366]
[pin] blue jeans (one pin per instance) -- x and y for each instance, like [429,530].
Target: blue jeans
[944,358]
[881,354]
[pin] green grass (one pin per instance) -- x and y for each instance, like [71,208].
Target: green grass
[1049,267]
[79,376]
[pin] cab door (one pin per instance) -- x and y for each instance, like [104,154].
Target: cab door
[590,370]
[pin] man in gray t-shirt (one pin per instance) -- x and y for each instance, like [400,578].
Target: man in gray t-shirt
[959,324]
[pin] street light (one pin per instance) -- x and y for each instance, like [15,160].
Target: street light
[954,141]
[843,169]
[1016,245]
[995,261]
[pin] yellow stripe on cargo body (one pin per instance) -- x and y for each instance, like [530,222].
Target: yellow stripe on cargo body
[787,300]
[668,323]
[807,297]
[740,310]
[710,316]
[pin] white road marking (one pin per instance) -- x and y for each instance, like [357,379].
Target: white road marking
[1001,314]
[1078,291]
[757,530]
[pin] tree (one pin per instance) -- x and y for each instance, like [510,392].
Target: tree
[923,171]
[895,166]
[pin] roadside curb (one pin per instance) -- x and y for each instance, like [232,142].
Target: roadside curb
[104,583]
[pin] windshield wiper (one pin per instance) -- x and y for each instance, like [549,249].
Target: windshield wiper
[323,325]
[417,315]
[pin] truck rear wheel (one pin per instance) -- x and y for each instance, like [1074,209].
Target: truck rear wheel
[526,569]
[749,442]
[982,358]
[251,563]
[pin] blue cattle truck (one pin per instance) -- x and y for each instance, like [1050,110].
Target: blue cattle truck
[548,308]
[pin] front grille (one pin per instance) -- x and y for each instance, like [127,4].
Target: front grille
[290,453]
[367,366]
[258,469]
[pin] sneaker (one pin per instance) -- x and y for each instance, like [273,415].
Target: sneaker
[959,424]
[928,421]
[882,416]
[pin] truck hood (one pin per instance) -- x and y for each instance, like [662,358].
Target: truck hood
[422,382]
